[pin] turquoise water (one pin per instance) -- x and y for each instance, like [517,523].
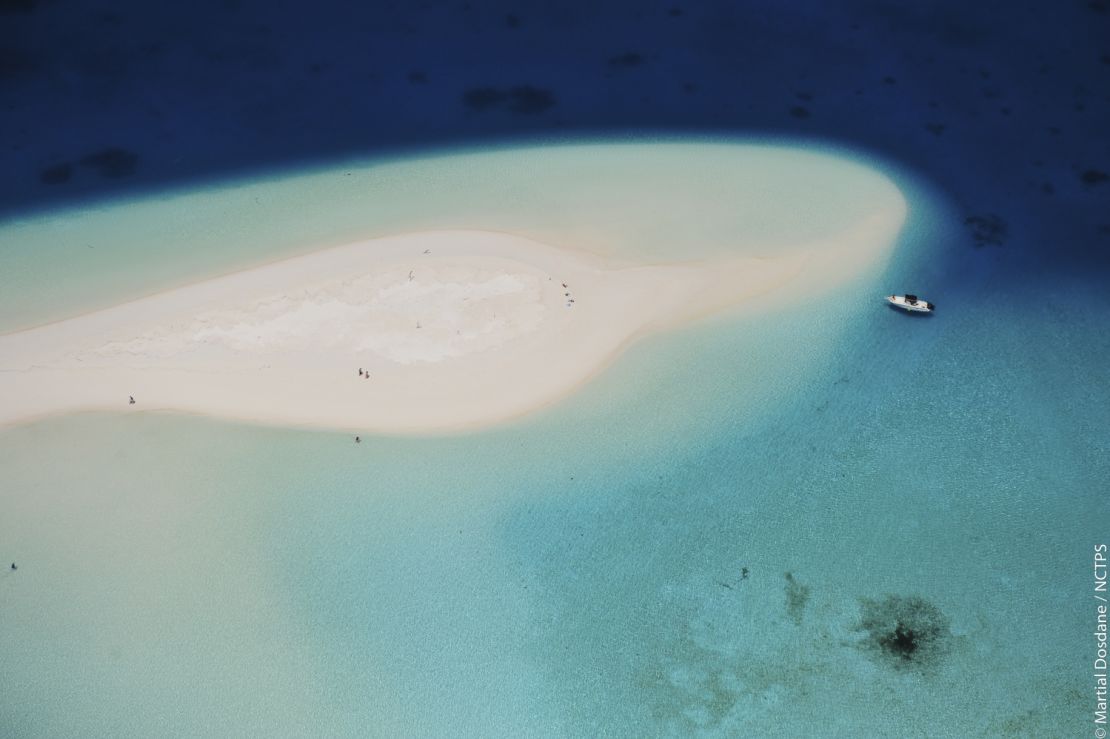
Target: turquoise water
[582,572]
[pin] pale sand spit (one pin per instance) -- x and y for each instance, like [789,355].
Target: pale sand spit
[455,329]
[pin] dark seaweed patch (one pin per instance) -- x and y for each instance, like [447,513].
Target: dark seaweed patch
[112,163]
[483,98]
[799,112]
[417,78]
[935,128]
[675,12]
[1094,177]
[797,596]
[904,632]
[512,21]
[530,100]
[59,174]
[524,99]
[627,59]
[987,229]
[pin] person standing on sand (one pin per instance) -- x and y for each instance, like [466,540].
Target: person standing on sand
[131,400]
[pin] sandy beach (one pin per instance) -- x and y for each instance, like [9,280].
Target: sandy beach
[420,332]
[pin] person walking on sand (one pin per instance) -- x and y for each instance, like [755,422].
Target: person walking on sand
[358,440]
[131,400]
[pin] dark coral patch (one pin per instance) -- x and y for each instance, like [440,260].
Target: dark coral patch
[112,163]
[987,229]
[797,597]
[483,98]
[530,100]
[59,174]
[904,631]
[1094,177]
[627,59]
[524,99]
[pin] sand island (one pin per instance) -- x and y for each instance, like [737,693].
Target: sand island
[418,332]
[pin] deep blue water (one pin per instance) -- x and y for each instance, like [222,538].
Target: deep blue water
[1006,105]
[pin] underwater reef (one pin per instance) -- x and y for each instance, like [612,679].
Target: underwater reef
[904,631]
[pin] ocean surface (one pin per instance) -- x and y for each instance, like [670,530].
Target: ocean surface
[830,519]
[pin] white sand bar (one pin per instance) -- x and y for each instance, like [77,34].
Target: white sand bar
[455,328]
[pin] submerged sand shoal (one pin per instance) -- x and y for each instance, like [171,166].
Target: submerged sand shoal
[455,329]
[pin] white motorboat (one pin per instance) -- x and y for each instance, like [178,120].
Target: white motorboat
[910,303]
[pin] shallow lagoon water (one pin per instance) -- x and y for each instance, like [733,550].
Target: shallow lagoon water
[580,572]
[639,199]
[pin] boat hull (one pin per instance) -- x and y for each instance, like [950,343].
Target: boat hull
[916,306]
